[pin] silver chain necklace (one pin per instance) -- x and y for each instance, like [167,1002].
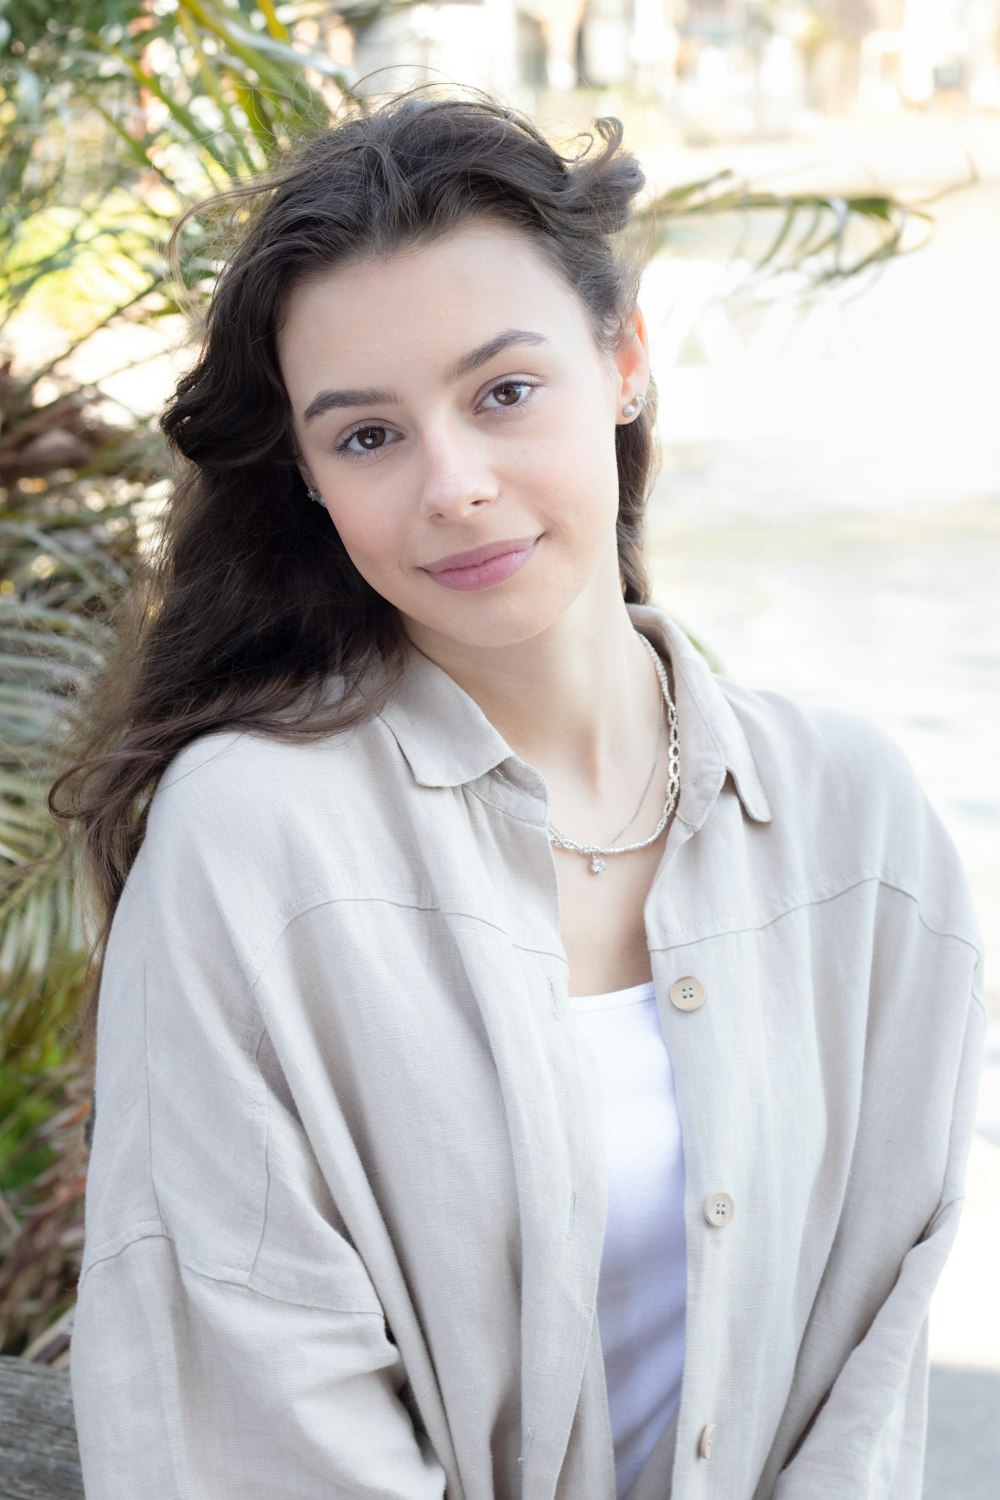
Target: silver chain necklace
[595,852]
[649,780]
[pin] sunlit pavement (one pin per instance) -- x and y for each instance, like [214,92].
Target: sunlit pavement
[963,1435]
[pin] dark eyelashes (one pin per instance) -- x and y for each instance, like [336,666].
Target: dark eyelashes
[528,386]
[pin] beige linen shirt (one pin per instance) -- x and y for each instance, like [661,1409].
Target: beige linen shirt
[347,1189]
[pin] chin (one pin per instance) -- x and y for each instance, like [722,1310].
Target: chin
[490,624]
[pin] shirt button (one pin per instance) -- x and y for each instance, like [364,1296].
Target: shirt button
[687,993]
[718,1208]
[705,1441]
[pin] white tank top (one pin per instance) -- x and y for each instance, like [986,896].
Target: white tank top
[642,1289]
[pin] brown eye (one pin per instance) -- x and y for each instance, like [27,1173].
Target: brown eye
[371,438]
[508,394]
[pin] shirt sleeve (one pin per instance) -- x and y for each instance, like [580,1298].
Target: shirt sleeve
[228,1341]
[867,1436]
[194,1388]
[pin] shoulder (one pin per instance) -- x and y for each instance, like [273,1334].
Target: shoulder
[254,827]
[821,748]
[236,775]
[844,792]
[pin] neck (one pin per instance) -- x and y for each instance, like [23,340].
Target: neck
[579,702]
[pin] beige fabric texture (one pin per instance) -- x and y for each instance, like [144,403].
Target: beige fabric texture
[347,1192]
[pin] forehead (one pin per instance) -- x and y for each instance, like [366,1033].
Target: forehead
[443,296]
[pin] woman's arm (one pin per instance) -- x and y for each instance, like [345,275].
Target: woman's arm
[189,1387]
[229,1343]
[866,1440]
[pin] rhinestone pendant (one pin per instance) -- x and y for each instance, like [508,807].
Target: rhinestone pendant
[596,865]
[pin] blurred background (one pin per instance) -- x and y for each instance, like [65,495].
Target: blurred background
[823,216]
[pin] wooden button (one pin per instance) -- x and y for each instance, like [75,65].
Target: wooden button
[705,1441]
[687,993]
[718,1209]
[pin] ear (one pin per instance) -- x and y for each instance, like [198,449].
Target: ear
[300,463]
[632,361]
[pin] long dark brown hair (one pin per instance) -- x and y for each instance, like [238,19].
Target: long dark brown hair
[250,601]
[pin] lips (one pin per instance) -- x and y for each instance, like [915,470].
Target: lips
[479,555]
[484,566]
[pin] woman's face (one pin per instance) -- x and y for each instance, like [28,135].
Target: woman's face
[452,399]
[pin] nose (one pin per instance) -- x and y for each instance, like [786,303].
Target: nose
[457,476]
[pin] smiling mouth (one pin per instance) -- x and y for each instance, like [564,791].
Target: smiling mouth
[483,566]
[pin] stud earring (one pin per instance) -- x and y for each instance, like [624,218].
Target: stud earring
[314,495]
[631,407]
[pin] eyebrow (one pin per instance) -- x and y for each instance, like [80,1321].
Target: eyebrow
[374,396]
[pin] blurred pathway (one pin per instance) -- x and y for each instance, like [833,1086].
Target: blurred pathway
[963,1436]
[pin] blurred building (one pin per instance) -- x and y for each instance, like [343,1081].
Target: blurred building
[722,67]
[511,47]
[923,50]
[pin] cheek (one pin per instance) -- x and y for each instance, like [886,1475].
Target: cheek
[584,474]
[368,532]
[591,438]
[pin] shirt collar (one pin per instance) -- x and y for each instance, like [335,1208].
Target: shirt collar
[712,739]
[447,739]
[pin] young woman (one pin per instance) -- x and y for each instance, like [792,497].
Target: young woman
[530,1066]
